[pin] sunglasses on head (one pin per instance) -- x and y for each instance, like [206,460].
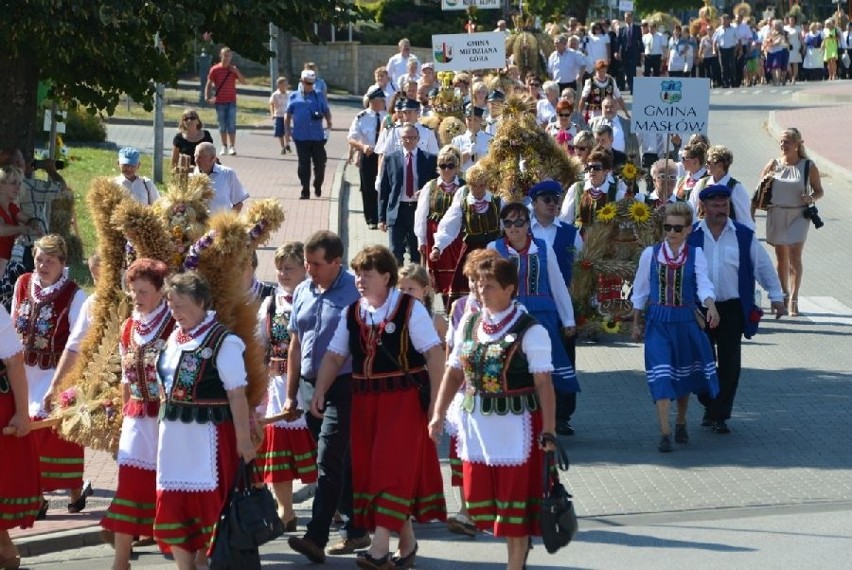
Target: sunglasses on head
[550,198]
[446,165]
[594,167]
[677,228]
[517,222]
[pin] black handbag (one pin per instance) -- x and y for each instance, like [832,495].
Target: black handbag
[226,557]
[558,518]
[762,197]
[253,513]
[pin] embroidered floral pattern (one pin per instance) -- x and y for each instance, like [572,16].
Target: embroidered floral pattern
[185,376]
[483,364]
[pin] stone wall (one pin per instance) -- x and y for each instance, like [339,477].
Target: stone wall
[345,65]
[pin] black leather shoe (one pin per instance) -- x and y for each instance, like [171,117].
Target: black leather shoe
[665,445]
[706,421]
[80,503]
[317,192]
[42,510]
[305,195]
[681,435]
[721,427]
[306,546]
[563,427]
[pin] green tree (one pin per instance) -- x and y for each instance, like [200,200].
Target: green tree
[649,6]
[93,51]
[550,10]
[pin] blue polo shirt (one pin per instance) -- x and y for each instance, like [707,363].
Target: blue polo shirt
[315,317]
[302,106]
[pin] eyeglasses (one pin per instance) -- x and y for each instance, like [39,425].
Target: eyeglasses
[413,138]
[594,167]
[517,222]
[671,177]
[550,198]
[566,115]
[446,166]
[677,228]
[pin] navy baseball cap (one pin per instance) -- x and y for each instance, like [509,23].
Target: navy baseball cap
[715,191]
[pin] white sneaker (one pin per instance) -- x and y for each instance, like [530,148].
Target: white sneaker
[232,151]
[223,151]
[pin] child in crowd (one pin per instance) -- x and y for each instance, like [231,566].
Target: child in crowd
[277,110]
[414,280]
[288,451]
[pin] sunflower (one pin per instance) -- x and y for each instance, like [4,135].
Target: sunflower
[629,171]
[607,213]
[639,212]
[611,327]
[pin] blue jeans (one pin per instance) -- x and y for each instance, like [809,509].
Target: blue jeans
[226,115]
[334,485]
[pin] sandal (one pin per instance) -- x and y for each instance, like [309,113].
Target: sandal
[365,560]
[42,510]
[794,307]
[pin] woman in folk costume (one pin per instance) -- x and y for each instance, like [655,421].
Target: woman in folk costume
[19,472]
[143,337]
[432,203]
[45,306]
[204,427]
[503,357]
[474,216]
[584,198]
[678,357]
[396,354]
[289,451]
[541,288]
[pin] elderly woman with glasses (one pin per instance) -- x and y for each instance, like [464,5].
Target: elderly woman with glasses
[678,357]
[584,198]
[434,200]
[562,128]
[719,161]
[664,175]
[190,134]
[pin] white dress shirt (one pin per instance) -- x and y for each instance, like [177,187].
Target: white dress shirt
[421,213]
[740,199]
[565,67]
[642,281]
[228,191]
[141,189]
[477,149]
[398,66]
[548,233]
[723,262]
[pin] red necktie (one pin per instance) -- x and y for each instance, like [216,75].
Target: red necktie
[409,177]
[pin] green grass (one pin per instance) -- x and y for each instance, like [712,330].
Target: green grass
[85,164]
[251,111]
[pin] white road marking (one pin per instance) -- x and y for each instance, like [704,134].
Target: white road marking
[825,310]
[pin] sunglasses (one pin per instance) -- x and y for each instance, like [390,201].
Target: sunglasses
[446,166]
[594,167]
[535,84]
[517,222]
[409,138]
[676,227]
[666,177]
[550,198]
[190,118]
[566,115]
[582,148]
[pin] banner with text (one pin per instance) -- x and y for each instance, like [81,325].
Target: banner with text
[463,52]
[465,4]
[670,105]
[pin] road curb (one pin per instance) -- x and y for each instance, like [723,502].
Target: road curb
[810,96]
[337,192]
[58,541]
[825,165]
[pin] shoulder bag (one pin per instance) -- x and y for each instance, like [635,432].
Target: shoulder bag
[558,518]
[762,197]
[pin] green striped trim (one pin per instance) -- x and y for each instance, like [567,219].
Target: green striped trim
[61,475]
[135,505]
[62,460]
[177,525]
[20,500]
[511,520]
[127,518]
[480,504]
[19,515]
[391,513]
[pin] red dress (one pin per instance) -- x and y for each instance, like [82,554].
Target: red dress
[441,271]
[19,472]
[10,218]
[133,507]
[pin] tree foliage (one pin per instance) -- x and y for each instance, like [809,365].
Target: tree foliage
[93,51]
[556,10]
[648,6]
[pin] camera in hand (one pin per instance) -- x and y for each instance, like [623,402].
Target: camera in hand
[41,164]
[316,115]
[812,214]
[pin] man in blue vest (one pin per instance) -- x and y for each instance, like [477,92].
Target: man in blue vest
[566,242]
[733,278]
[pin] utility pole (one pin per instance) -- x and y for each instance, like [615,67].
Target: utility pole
[273,59]
[159,122]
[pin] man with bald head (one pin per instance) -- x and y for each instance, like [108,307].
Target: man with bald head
[229,193]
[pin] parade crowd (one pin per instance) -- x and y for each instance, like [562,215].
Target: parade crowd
[364,375]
